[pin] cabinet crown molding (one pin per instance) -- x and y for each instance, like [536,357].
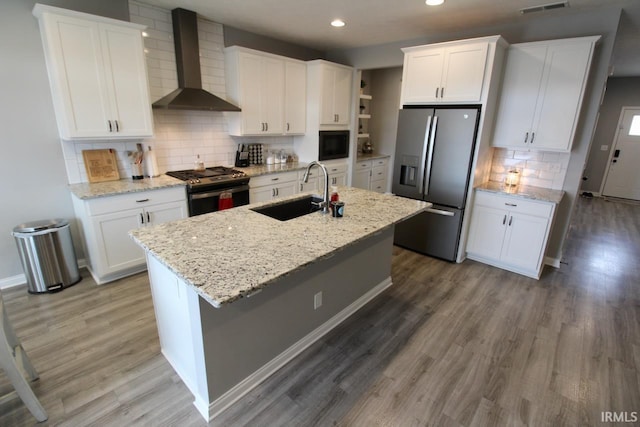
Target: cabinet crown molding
[39,10]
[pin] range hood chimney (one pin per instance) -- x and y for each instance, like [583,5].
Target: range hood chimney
[189,95]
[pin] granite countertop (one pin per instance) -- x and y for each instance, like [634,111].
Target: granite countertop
[228,254]
[371,156]
[523,191]
[87,190]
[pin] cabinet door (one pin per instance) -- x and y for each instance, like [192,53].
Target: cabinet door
[312,184]
[272,95]
[119,252]
[286,189]
[342,95]
[261,194]
[561,92]
[524,241]
[250,84]
[463,73]
[165,212]
[361,178]
[486,231]
[339,179]
[126,80]
[517,105]
[295,98]
[76,73]
[327,113]
[422,75]
[336,95]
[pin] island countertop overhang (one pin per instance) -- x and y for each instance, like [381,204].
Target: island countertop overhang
[230,254]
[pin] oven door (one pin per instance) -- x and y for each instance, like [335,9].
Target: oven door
[208,201]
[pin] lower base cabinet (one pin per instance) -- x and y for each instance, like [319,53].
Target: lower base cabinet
[272,186]
[105,223]
[371,174]
[510,232]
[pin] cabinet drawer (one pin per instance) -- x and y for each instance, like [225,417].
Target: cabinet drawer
[333,169]
[379,172]
[135,200]
[273,178]
[381,162]
[379,185]
[363,164]
[514,204]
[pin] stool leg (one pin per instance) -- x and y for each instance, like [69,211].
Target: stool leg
[10,348]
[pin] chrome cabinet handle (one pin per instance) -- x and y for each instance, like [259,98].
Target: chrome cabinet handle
[441,92]
[504,219]
[142,200]
[141,218]
[110,126]
[148,217]
[266,127]
[510,204]
[437,89]
[117,126]
[287,127]
[526,137]
[533,136]
[510,219]
[300,186]
[277,192]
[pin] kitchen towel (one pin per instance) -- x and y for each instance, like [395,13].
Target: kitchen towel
[151,164]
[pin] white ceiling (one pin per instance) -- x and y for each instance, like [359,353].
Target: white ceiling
[372,22]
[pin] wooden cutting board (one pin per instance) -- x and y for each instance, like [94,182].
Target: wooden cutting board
[101,165]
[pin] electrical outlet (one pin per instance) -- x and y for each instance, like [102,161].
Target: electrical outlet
[317,300]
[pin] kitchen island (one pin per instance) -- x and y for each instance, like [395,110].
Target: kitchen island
[237,294]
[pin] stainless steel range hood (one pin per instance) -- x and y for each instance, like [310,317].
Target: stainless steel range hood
[189,95]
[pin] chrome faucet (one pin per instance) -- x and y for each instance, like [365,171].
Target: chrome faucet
[325,201]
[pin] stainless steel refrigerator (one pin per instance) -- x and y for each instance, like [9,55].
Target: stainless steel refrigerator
[434,153]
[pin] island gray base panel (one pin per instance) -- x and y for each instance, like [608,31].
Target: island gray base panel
[246,341]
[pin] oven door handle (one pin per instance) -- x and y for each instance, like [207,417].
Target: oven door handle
[196,196]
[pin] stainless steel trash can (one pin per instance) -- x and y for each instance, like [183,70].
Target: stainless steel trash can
[47,255]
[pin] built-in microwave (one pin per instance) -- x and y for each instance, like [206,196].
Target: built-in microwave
[334,144]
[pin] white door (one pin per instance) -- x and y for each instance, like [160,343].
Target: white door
[295,97]
[463,73]
[524,241]
[623,178]
[119,251]
[422,76]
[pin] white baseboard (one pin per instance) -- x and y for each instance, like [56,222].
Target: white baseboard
[21,279]
[10,282]
[553,262]
[245,386]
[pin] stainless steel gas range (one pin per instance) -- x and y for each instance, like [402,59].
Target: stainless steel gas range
[205,188]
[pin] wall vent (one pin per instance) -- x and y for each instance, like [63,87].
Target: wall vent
[544,7]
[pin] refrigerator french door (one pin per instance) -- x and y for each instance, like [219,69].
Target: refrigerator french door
[434,153]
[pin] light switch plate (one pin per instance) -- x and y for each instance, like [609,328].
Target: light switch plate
[604,148]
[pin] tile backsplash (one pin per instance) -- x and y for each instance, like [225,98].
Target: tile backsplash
[537,168]
[179,136]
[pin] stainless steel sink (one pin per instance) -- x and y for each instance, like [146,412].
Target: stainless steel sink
[284,211]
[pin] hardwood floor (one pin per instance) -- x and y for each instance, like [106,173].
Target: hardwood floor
[447,345]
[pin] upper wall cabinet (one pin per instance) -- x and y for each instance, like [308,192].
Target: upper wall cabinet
[267,89]
[452,72]
[97,74]
[335,92]
[542,92]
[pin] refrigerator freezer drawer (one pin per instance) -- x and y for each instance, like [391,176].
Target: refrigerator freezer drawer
[435,232]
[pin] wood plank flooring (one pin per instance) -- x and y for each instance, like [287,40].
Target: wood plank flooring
[447,345]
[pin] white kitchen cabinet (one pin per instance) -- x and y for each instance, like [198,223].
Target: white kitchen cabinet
[272,186]
[295,97]
[371,174]
[335,82]
[255,81]
[106,221]
[97,74]
[542,93]
[509,232]
[452,72]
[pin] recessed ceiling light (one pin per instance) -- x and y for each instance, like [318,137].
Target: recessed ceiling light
[337,23]
[434,2]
